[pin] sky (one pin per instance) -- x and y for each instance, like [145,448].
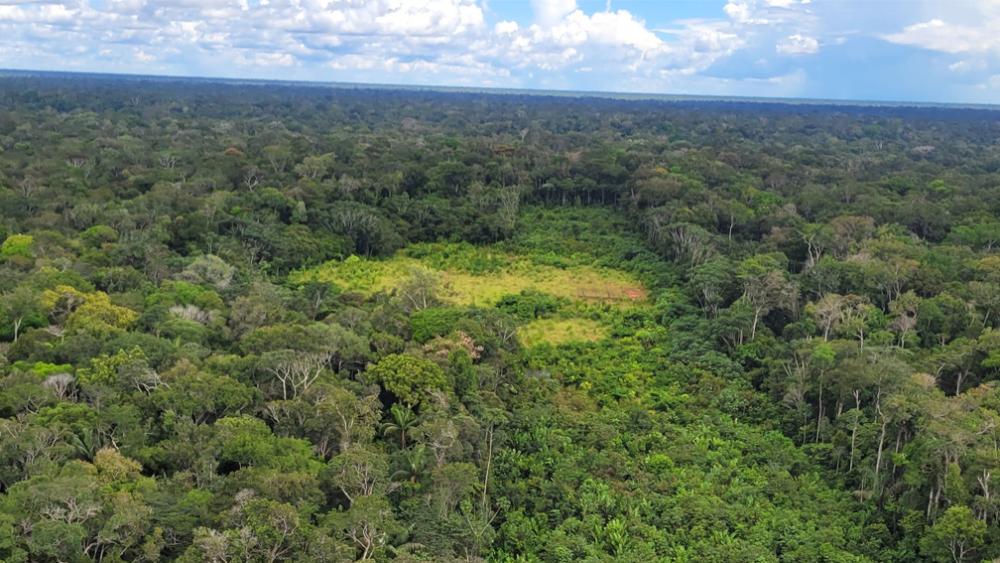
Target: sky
[902,50]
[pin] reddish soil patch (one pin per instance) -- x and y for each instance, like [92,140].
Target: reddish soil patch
[635,294]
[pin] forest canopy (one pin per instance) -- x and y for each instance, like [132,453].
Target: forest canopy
[282,322]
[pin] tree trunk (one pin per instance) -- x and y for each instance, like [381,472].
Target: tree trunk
[753,327]
[881,444]
[854,436]
[819,409]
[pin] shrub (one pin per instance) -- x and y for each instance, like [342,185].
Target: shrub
[433,322]
[530,304]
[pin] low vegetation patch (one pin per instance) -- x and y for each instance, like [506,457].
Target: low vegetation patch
[479,276]
[561,331]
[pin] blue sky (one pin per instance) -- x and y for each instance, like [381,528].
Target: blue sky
[911,50]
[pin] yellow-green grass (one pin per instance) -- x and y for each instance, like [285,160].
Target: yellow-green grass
[560,331]
[579,283]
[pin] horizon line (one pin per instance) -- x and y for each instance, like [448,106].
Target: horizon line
[495,90]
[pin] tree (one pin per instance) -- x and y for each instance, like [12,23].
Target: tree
[449,177]
[828,312]
[91,312]
[244,441]
[314,167]
[956,536]
[402,422]
[957,359]
[125,371]
[200,396]
[276,530]
[857,318]
[359,471]
[278,157]
[295,370]
[317,298]
[712,282]
[298,355]
[941,318]
[261,531]
[904,310]
[209,269]
[353,417]
[984,233]
[17,246]
[451,484]
[846,232]
[766,286]
[262,305]
[420,290]
[410,379]
[683,241]
[22,308]
[368,524]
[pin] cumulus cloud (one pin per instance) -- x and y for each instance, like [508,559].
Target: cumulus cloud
[797,44]
[424,37]
[954,38]
[766,12]
[548,12]
[962,36]
[558,43]
[623,45]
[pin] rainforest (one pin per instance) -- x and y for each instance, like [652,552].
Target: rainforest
[263,322]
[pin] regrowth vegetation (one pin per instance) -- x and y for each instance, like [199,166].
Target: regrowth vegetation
[273,323]
[466,275]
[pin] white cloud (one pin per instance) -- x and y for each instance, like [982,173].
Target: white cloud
[560,43]
[617,42]
[765,12]
[506,27]
[409,18]
[619,29]
[971,65]
[953,27]
[797,44]
[738,11]
[938,35]
[143,56]
[380,40]
[548,12]
[268,59]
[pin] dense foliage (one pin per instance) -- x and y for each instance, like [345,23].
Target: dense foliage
[807,373]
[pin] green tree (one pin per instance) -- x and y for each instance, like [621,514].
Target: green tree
[21,308]
[411,379]
[402,421]
[712,282]
[766,286]
[956,536]
[17,246]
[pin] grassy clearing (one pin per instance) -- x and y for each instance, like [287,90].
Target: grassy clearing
[359,275]
[560,331]
[581,283]
[480,276]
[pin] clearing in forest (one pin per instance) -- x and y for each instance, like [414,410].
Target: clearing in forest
[561,331]
[478,276]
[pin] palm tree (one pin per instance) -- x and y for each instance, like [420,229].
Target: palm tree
[403,419]
[414,461]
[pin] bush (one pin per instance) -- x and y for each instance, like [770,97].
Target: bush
[433,322]
[530,304]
